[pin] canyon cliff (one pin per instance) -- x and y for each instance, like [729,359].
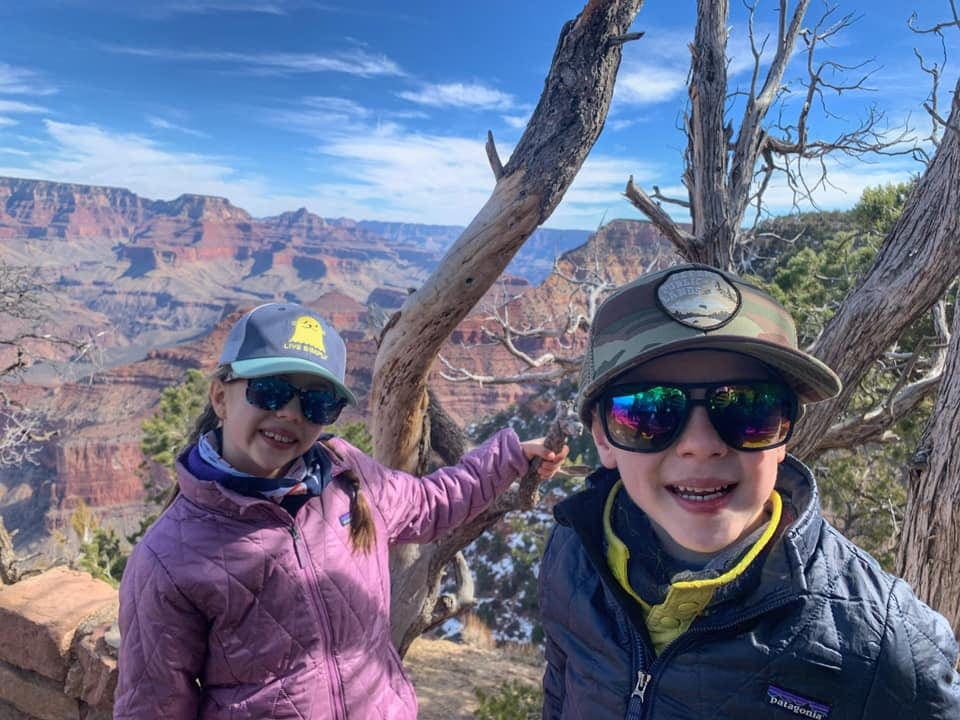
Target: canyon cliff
[157,284]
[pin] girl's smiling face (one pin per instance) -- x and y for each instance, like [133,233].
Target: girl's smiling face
[699,491]
[258,442]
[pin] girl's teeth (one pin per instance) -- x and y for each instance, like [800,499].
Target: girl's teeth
[278,438]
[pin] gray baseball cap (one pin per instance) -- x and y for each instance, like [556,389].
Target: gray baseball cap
[281,338]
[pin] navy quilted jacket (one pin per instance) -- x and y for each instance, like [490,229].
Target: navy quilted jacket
[232,609]
[822,633]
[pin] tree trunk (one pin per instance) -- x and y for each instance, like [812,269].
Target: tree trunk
[917,262]
[928,556]
[561,132]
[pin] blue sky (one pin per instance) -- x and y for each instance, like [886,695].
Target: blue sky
[379,110]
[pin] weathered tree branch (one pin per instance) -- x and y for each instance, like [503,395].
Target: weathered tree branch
[494,157]
[915,265]
[562,130]
[522,496]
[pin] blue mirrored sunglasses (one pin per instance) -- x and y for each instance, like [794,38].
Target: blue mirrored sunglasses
[319,406]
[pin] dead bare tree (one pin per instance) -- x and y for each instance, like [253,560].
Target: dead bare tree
[25,305]
[727,170]
[560,134]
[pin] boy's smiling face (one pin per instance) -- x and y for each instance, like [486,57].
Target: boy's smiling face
[736,484]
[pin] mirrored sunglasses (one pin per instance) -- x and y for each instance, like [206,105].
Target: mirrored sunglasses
[748,415]
[321,406]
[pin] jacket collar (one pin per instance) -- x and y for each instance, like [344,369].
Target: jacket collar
[783,566]
[214,496]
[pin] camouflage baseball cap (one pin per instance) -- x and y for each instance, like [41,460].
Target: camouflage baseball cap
[696,307]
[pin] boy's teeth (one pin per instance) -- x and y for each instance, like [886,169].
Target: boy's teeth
[701,494]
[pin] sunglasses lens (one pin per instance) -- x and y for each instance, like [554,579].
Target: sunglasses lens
[645,420]
[752,416]
[321,407]
[269,393]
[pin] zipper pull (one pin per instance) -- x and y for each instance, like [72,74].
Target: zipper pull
[643,680]
[296,548]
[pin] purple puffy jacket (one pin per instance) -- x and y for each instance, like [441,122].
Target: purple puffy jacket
[231,608]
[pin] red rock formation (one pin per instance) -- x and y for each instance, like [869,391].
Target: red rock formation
[153,277]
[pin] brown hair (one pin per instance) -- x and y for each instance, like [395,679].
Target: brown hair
[362,530]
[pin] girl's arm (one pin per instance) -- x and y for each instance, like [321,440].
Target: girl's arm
[422,509]
[162,644]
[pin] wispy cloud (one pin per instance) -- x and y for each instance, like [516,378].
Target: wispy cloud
[12,151]
[465,95]
[352,62]
[89,154]
[12,106]
[318,115]
[163,124]
[21,81]
[6,122]
[644,84]
[210,7]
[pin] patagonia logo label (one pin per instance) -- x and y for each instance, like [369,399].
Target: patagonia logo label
[345,519]
[796,704]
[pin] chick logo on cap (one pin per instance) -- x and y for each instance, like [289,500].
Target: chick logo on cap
[307,337]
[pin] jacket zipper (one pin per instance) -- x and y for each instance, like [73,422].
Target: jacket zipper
[296,548]
[313,581]
[644,680]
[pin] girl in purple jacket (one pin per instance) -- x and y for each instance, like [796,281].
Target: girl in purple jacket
[263,590]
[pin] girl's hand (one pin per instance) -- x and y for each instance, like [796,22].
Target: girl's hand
[550,461]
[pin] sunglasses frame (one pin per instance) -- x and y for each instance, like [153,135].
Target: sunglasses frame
[605,404]
[300,393]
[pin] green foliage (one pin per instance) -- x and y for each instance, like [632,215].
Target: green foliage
[513,700]
[355,433]
[166,433]
[880,207]
[102,557]
[100,553]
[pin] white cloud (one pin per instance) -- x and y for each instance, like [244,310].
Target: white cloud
[6,122]
[21,81]
[12,106]
[517,122]
[12,151]
[352,62]
[88,154]
[469,95]
[163,124]
[207,7]
[644,84]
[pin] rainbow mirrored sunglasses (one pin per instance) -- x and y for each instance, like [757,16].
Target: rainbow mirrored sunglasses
[748,415]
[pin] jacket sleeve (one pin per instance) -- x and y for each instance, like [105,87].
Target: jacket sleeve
[556,660]
[916,674]
[419,510]
[162,644]
[553,680]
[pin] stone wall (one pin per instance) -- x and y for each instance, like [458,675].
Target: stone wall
[58,647]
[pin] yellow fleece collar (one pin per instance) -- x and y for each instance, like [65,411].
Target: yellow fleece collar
[685,599]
